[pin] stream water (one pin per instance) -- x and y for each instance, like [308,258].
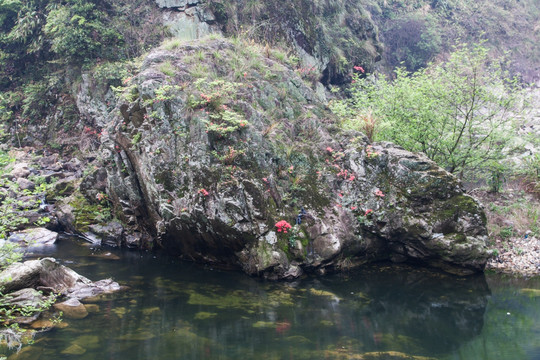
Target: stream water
[178,310]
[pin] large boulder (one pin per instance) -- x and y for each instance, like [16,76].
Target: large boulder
[20,170]
[48,274]
[34,237]
[208,162]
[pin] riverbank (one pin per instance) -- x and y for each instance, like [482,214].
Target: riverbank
[513,214]
[514,230]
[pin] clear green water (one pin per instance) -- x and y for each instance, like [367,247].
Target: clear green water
[176,310]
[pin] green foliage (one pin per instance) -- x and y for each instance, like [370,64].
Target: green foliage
[10,219]
[8,11]
[44,44]
[530,171]
[229,156]
[35,101]
[457,112]
[11,333]
[111,73]
[414,31]
[412,41]
[128,93]
[136,139]
[87,213]
[496,176]
[340,31]
[167,68]
[506,232]
[9,254]
[172,44]
[78,33]
[217,98]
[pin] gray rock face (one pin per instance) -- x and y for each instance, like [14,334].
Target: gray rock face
[20,170]
[189,25]
[25,184]
[25,297]
[47,273]
[34,237]
[110,234]
[177,4]
[209,167]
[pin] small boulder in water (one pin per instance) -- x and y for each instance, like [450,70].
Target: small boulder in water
[72,309]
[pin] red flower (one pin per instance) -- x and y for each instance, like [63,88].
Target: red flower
[368,211]
[379,193]
[359,68]
[353,207]
[283,226]
[329,149]
[352,178]
[204,192]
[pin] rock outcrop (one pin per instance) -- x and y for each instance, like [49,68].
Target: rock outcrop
[216,141]
[48,274]
[328,38]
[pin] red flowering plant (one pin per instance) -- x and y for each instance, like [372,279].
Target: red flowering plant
[204,192]
[366,218]
[283,226]
[310,74]
[359,69]
[370,153]
[101,197]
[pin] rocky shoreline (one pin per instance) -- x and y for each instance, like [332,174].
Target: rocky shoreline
[512,217]
[519,256]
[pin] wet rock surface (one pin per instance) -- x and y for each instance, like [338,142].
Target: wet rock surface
[34,237]
[47,274]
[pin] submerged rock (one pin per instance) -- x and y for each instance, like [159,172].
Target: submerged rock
[206,165]
[72,309]
[74,350]
[48,324]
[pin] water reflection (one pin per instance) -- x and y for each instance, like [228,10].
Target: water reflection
[176,310]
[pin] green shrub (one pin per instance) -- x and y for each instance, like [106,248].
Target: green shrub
[111,73]
[456,112]
[9,253]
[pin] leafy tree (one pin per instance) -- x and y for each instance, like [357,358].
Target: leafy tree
[412,41]
[459,113]
[78,32]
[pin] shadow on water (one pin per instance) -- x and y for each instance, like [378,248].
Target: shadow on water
[177,310]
